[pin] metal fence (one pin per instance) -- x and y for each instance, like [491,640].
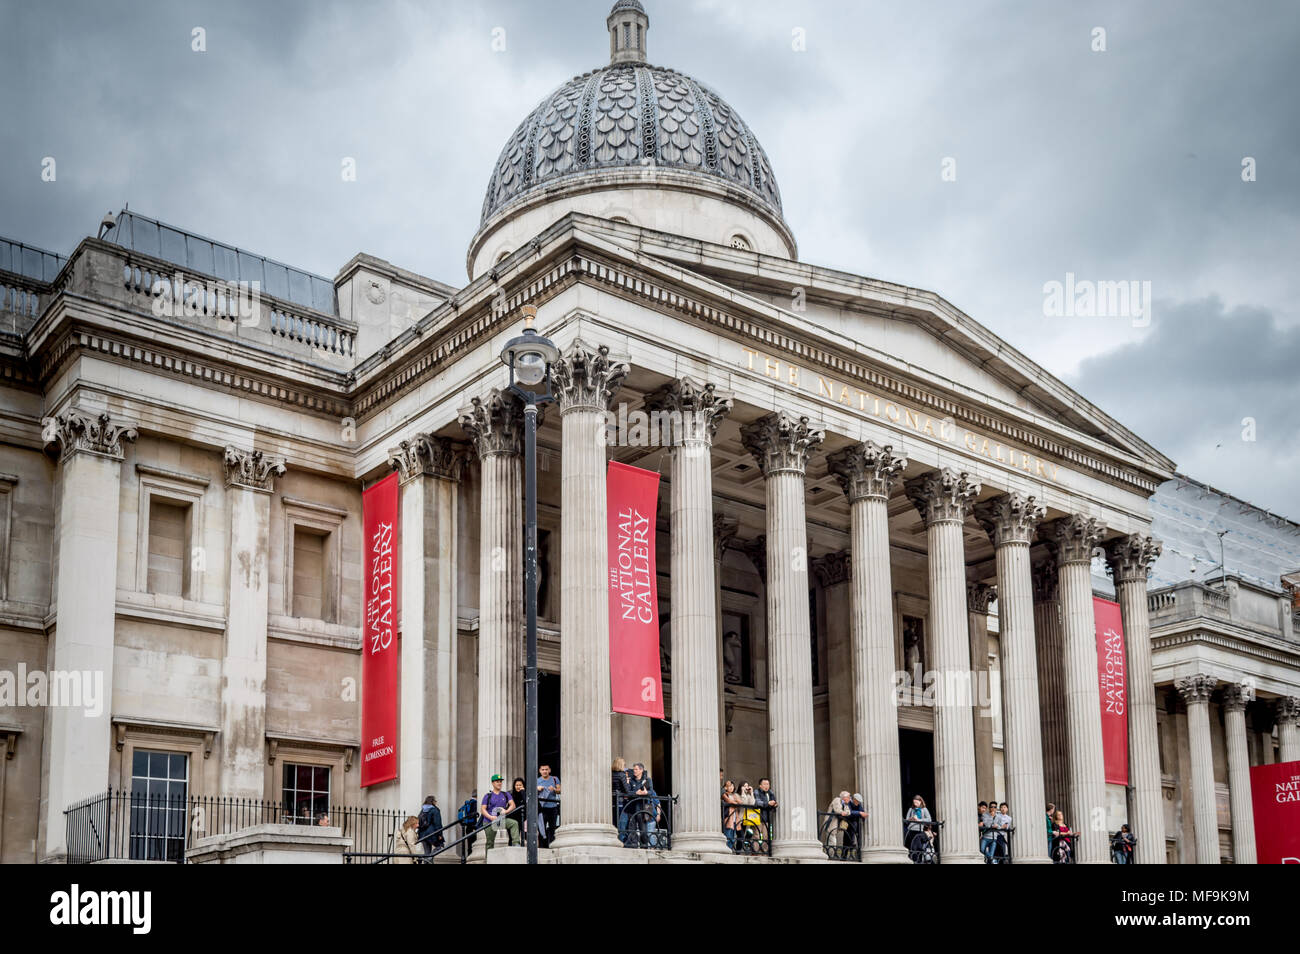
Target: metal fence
[749,829]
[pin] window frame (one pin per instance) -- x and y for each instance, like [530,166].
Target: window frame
[175,488]
[319,517]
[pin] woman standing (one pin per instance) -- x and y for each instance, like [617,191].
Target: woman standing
[618,783]
[405,842]
[917,819]
[730,814]
[519,792]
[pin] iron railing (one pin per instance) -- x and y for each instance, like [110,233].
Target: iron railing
[922,840]
[749,829]
[1061,848]
[840,835]
[644,821]
[997,845]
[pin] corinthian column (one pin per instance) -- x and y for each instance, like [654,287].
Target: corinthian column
[782,444]
[1130,560]
[585,380]
[724,532]
[694,410]
[979,597]
[1287,711]
[867,473]
[250,481]
[1010,521]
[1235,699]
[91,453]
[1051,681]
[494,424]
[429,469]
[1196,691]
[944,498]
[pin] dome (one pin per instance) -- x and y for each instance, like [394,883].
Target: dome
[631,123]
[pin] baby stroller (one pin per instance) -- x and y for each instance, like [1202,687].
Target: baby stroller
[1063,850]
[921,848]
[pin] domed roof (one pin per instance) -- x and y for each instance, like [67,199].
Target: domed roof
[631,115]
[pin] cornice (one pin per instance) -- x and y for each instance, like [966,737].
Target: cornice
[1280,654]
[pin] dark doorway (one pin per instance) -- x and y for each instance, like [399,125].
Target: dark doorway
[548,722]
[916,768]
[661,755]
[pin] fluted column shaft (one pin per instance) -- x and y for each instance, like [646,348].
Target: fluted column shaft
[781,444]
[1288,729]
[1235,699]
[867,473]
[1010,521]
[585,382]
[724,530]
[944,499]
[1051,681]
[1196,691]
[1130,561]
[978,598]
[1074,539]
[694,410]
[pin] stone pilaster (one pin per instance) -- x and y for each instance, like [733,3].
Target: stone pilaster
[695,408]
[585,379]
[1010,521]
[944,498]
[89,486]
[868,473]
[1196,691]
[1235,699]
[782,445]
[250,479]
[1130,560]
[429,469]
[495,425]
[1073,539]
[1287,712]
[979,597]
[1051,681]
[724,535]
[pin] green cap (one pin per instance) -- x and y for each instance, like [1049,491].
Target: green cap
[497,778]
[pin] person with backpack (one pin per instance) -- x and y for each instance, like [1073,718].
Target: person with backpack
[429,831]
[497,809]
[1121,846]
[467,816]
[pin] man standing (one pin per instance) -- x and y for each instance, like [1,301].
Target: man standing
[429,831]
[857,821]
[765,799]
[548,804]
[988,841]
[1002,824]
[641,812]
[496,808]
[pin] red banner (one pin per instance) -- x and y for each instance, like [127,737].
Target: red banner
[1275,792]
[379,650]
[636,682]
[1112,677]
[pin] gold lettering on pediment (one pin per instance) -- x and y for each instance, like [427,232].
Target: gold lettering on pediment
[872,405]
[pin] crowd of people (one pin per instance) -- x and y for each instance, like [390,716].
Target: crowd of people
[747,815]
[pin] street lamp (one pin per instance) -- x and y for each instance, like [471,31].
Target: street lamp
[529,358]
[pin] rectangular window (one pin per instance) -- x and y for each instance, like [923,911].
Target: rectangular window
[309,583]
[169,534]
[159,784]
[306,793]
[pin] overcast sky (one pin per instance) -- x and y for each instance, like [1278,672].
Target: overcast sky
[1122,164]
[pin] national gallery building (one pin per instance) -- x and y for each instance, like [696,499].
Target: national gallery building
[878,541]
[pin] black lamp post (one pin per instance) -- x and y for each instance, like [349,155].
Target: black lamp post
[529,358]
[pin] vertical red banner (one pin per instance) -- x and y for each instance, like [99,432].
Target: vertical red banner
[1112,678]
[1275,794]
[379,651]
[636,682]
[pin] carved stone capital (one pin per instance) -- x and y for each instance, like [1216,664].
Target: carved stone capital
[428,456]
[942,496]
[833,568]
[756,550]
[1010,519]
[494,423]
[251,469]
[781,442]
[1044,576]
[586,377]
[1287,709]
[866,470]
[1196,689]
[1237,695]
[690,410]
[1072,539]
[979,596]
[78,430]
[1131,558]
[724,533]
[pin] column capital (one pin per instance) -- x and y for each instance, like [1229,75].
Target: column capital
[428,456]
[494,423]
[1010,518]
[724,534]
[1237,695]
[833,568]
[942,496]
[756,550]
[979,596]
[695,409]
[781,442]
[1287,709]
[252,470]
[1130,559]
[78,430]
[1196,689]
[585,376]
[866,470]
[1072,539]
[1045,578]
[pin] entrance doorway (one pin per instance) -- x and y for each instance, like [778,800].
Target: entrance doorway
[916,768]
[548,722]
